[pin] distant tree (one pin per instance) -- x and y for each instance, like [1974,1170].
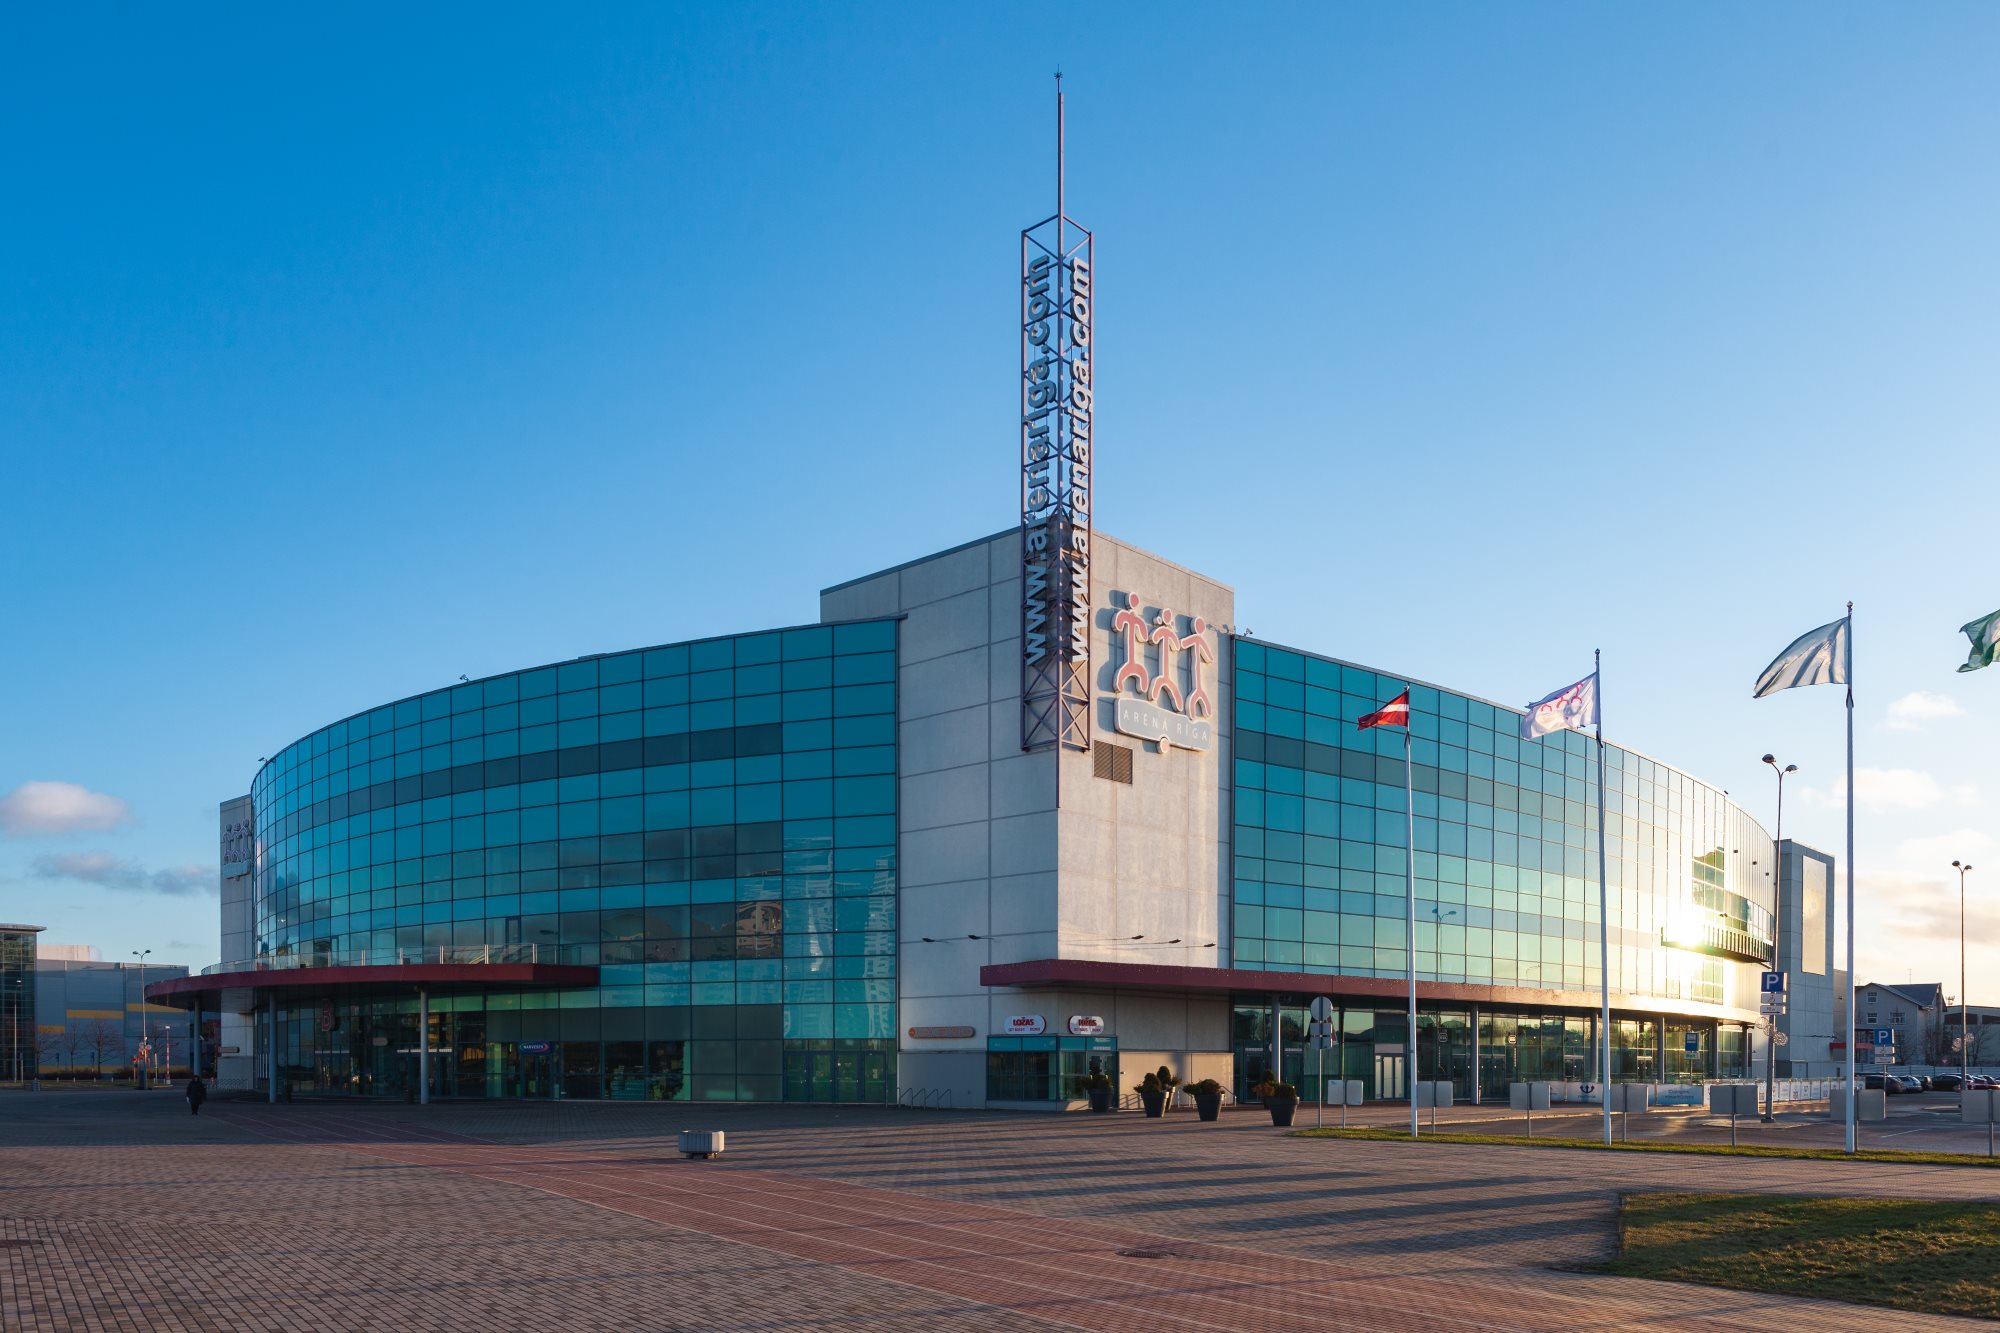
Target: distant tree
[101,1038]
[1934,1039]
[72,1045]
[47,1044]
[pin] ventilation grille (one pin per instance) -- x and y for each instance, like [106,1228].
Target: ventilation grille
[1111,761]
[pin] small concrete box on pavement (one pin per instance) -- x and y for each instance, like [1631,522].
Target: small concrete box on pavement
[1528,1096]
[703,1143]
[1343,1092]
[1979,1106]
[1732,1098]
[1871,1104]
[1629,1097]
[1434,1093]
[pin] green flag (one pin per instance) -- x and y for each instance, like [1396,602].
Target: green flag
[1985,636]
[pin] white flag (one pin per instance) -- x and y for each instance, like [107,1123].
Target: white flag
[1818,657]
[1571,708]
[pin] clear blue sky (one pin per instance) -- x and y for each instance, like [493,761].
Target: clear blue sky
[342,353]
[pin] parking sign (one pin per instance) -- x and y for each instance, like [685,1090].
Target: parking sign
[1774,983]
[1883,1036]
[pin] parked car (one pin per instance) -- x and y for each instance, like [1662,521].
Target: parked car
[1946,1083]
[1876,1081]
[1894,1085]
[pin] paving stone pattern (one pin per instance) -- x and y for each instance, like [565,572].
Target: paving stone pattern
[582,1216]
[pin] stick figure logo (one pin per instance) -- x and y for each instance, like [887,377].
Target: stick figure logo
[1162,681]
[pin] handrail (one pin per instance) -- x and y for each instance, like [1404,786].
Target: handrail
[474,954]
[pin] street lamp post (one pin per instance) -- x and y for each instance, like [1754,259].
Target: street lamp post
[145,1040]
[1964,1038]
[1777,933]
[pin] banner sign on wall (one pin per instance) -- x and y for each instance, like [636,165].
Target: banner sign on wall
[1025,1025]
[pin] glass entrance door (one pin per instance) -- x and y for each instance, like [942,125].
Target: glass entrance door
[808,1076]
[1390,1079]
[535,1073]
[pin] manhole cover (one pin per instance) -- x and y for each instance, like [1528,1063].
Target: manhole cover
[1146,1254]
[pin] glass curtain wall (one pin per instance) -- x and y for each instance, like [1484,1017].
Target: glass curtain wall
[1505,846]
[19,1044]
[712,824]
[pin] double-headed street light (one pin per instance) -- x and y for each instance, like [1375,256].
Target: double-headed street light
[1777,930]
[145,1039]
[1964,1037]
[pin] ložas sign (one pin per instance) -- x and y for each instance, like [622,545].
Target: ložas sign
[1086,1025]
[1167,664]
[1025,1025]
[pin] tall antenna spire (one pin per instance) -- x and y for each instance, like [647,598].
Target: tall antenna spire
[1061,250]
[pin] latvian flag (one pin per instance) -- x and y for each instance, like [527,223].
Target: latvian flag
[1395,713]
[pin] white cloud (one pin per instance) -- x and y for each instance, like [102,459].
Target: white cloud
[59,807]
[1932,856]
[1910,712]
[108,872]
[1880,789]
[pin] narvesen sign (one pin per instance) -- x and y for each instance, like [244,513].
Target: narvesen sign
[1167,665]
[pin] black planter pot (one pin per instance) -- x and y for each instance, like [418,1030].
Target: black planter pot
[1154,1102]
[1100,1100]
[1208,1105]
[1282,1109]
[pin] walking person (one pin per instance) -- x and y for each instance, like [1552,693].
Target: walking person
[197,1093]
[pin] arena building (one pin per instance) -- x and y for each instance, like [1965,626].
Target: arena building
[818,864]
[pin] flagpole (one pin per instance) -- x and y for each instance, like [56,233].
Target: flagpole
[1852,1095]
[1603,903]
[1410,924]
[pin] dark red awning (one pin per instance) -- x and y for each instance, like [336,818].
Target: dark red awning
[441,978]
[1086,974]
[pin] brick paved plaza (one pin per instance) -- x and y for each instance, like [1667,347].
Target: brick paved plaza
[123,1212]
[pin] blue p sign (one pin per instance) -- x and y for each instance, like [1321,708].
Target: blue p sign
[1774,983]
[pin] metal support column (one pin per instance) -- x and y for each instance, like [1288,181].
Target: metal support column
[1277,1040]
[423,1045]
[271,1045]
[1475,1055]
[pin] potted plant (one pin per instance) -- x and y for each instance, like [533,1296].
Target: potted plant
[1151,1096]
[1098,1088]
[1280,1099]
[1207,1096]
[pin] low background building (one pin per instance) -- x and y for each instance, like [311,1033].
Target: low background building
[94,1021]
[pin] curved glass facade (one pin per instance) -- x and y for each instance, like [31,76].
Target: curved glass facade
[1506,847]
[711,823]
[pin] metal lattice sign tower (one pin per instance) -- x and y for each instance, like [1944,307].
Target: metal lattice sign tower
[1056,280]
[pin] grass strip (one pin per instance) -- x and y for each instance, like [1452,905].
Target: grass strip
[1924,1255]
[1375,1132]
